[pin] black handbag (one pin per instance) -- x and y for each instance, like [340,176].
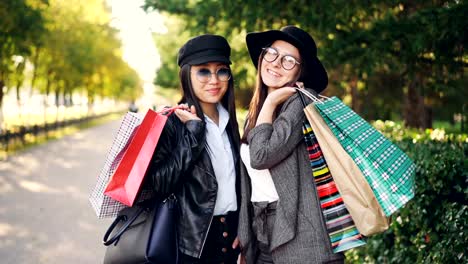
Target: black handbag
[144,233]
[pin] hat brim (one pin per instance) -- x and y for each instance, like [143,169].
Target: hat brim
[209,58]
[317,80]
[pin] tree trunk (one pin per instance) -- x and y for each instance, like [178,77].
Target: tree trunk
[415,112]
[355,105]
[19,83]
[2,84]
[46,95]
[57,103]
[34,76]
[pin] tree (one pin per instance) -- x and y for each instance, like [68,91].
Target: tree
[420,42]
[168,46]
[71,46]
[21,27]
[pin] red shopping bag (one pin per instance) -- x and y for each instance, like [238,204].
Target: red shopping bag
[127,178]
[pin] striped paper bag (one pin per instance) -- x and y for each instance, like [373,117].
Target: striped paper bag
[340,226]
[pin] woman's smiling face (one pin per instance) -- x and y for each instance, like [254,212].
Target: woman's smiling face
[213,90]
[273,75]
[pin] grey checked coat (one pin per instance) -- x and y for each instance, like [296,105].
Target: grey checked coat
[299,233]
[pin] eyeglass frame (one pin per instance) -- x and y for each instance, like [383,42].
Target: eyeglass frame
[211,74]
[264,51]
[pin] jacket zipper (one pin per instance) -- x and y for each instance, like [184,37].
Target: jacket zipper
[211,219]
[206,236]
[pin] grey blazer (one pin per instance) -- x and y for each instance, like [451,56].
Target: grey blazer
[299,233]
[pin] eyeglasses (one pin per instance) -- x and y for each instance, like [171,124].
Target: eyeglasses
[288,62]
[204,75]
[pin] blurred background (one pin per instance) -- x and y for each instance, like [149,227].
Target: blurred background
[66,65]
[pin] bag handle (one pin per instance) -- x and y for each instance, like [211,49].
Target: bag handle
[302,100]
[168,110]
[105,240]
[308,94]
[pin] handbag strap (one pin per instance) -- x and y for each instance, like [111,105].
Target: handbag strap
[119,218]
[144,205]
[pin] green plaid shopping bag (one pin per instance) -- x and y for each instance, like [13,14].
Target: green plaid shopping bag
[387,169]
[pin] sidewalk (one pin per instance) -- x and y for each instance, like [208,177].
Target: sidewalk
[45,216]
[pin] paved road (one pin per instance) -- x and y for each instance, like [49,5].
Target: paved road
[45,216]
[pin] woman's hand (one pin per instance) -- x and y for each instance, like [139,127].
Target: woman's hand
[236,244]
[273,99]
[186,113]
[278,96]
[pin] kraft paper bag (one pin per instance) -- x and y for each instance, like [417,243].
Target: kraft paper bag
[358,196]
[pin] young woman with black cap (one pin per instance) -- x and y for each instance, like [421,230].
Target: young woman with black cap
[280,217]
[198,152]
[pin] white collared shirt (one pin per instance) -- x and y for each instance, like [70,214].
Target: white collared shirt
[263,188]
[222,161]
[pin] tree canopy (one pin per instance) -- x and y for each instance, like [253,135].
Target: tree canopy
[72,49]
[388,59]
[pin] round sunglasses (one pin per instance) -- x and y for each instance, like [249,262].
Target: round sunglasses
[288,62]
[204,75]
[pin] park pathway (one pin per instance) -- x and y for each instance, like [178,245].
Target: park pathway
[45,216]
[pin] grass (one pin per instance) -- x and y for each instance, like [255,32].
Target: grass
[16,146]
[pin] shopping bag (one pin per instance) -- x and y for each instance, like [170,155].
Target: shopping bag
[358,197]
[341,228]
[127,179]
[387,169]
[103,205]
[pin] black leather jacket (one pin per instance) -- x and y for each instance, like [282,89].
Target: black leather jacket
[181,165]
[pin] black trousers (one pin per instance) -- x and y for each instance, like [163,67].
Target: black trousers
[218,244]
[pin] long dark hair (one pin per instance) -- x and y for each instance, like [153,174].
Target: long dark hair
[228,102]
[260,94]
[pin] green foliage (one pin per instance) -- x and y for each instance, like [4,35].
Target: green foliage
[433,226]
[168,45]
[71,45]
[394,59]
[82,53]
[21,28]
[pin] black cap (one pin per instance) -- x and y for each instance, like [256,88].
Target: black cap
[203,49]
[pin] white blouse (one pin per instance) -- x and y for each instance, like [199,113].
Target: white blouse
[220,153]
[263,188]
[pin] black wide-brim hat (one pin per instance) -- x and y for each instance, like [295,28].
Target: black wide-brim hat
[317,77]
